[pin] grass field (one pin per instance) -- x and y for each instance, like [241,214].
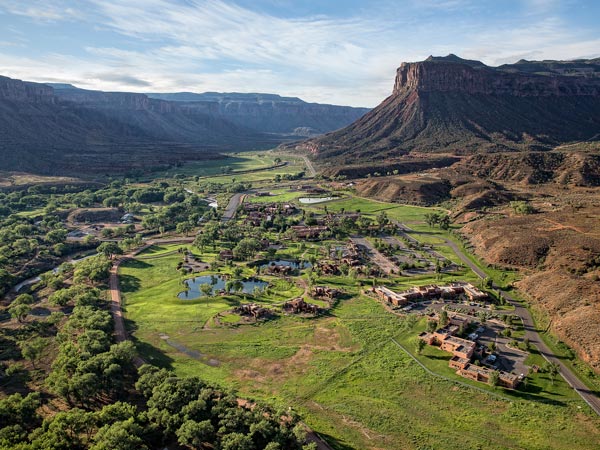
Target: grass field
[341,371]
[235,162]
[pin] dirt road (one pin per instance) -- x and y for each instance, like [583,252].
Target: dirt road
[309,167]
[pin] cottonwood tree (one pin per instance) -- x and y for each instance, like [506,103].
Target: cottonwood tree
[110,249]
[443,318]
[19,311]
[193,434]
[32,349]
[206,289]
[494,378]
[552,369]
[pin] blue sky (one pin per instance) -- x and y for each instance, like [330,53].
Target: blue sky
[342,52]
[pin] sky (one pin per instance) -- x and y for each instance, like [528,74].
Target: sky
[328,51]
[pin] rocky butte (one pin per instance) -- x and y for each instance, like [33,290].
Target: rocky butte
[449,104]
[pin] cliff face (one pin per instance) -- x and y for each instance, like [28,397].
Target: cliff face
[269,113]
[114,100]
[68,130]
[428,76]
[441,76]
[447,104]
[18,90]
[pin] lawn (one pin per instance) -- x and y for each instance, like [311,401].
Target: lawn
[341,371]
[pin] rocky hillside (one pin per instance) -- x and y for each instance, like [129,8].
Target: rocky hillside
[269,113]
[447,104]
[558,254]
[43,130]
[561,167]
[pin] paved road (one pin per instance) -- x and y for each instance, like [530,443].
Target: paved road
[532,334]
[232,207]
[309,166]
[378,258]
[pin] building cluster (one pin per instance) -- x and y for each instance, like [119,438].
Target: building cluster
[257,213]
[226,255]
[450,291]
[463,350]
[252,310]
[299,306]
[326,292]
[279,269]
[466,369]
[308,232]
[352,255]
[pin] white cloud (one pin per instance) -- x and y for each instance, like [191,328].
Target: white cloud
[43,11]
[161,45]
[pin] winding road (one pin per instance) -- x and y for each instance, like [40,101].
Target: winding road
[531,332]
[534,337]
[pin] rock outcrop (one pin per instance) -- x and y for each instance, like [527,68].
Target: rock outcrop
[454,76]
[447,104]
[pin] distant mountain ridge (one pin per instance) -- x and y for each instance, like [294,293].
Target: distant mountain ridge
[56,131]
[269,113]
[58,128]
[451,105]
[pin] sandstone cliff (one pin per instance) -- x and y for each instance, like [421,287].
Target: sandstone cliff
[453,105]
[18,90]
[68,130]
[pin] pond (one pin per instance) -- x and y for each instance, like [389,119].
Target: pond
[287,263]
[218,284]
[312,200]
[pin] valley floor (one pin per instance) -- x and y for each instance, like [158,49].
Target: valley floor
[350,372]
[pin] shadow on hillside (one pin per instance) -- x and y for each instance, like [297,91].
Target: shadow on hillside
[136,264]
[334,443]
[148,352]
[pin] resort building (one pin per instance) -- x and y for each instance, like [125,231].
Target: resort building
[430,292]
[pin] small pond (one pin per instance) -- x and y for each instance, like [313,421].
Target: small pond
[288,263]
[312,200]
[218,283]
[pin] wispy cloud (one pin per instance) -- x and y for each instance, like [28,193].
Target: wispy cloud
[44,11]
[350,58]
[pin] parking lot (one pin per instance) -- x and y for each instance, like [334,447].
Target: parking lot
[507,359]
